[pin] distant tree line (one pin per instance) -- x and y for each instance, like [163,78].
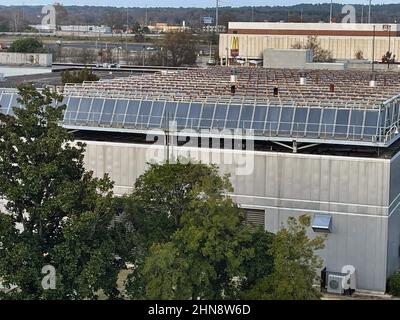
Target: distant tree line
[17,18]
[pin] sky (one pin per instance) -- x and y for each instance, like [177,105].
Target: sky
[185,3]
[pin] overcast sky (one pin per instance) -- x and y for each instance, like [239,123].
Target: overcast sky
[184,3]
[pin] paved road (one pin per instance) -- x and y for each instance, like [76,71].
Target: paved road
[94,45]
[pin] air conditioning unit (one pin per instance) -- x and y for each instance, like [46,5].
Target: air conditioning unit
[335,284]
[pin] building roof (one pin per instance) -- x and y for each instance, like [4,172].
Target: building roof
[351,88]
[326,29]
[200,101]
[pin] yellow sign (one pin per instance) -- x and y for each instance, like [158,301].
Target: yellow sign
[235,46]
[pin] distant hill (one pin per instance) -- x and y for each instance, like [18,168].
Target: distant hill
[15,18]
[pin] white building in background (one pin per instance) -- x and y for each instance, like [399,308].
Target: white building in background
[43,27]
[86,29]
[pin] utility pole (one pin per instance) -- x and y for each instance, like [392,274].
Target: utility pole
[389,27]
[127,26]
[362,14]
[216,16]
[252,14]
[369,12]
[330,13]
[373,51]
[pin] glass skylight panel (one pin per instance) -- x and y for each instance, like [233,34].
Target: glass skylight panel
[156,114]
[300,119]
[119,113]
[83,109]
[342,122]
[169,112]
[371,122]
[182,114]
[131,113]
[285,123]
[72,109]
[207,116]
[259,118]
[144,113]
[246,117]
[356,123]
[5,103]
[97,107]
[232,117]
[313,122]
[220,116]
[272,120]
[194,115]
[327,124]
[108,110]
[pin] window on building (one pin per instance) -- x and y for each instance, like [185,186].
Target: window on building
[322,223]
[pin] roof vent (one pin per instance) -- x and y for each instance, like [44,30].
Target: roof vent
[303,79]
[322,223]
[372,82]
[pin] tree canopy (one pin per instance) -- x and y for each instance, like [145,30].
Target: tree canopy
[177,49]
[163,192]
[197,243]
[295,264]
[57,213]
[27,45]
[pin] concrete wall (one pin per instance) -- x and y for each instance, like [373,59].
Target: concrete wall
[286,58]
[296,59]
[355,191]
[32,59]
[394,216]
[252,46]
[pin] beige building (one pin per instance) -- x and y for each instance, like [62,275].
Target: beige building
[164,27]
[344,40]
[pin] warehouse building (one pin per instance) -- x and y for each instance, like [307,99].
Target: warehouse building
[323,143]
[344,40]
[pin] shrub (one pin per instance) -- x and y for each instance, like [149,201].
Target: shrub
[27,45]
[359,55]
[393,284]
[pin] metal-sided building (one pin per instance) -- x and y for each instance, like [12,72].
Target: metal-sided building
[343,40]
[323,143]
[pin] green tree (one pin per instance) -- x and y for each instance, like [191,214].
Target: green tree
[163,193]
[56,212]
[208,251]
[209,257]
[27,45]
[78,76]
[295,265]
